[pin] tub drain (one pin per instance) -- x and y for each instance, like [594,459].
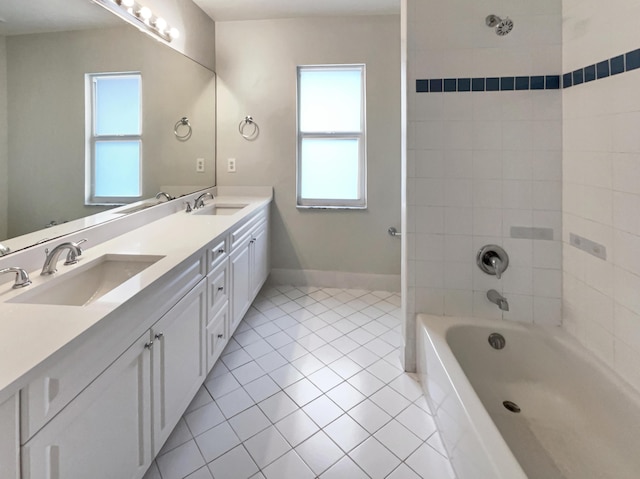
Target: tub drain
[511,406]
[497,341]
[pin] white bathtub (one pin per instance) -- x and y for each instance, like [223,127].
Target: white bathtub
[577,419]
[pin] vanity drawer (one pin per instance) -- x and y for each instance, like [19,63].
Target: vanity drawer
[218,286]
[217,336]
[217,252]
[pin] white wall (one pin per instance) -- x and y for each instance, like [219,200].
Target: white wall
[256,68]
[4,154]
[601,185]
[479,163]
[46,111]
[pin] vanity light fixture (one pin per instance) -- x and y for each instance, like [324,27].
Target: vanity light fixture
[141,17]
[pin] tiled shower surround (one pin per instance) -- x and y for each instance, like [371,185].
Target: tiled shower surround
[480,162]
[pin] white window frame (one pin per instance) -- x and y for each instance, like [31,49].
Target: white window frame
[91,138]
[361,201]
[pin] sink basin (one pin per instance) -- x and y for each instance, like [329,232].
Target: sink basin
[220,210]
[87,284]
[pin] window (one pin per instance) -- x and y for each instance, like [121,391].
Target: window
[114,138]
[331,137]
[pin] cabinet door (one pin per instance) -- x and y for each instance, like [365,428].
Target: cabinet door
[178,361]
[259,259]
[103,433]
[9,439]
[240,285]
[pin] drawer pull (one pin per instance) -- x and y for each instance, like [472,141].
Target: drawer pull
[221,251]
[148,345]
[220,336]
[159,336]
[220,288]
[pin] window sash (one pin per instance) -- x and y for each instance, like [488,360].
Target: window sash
[92,139]
[361,201]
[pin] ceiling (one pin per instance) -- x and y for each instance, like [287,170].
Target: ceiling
[230,10]
[38,16]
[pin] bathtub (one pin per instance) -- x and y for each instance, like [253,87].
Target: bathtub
[577,419]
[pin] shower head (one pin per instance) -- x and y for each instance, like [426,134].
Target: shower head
[502,26]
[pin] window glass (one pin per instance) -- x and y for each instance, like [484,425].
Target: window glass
[331,137]
[117,168]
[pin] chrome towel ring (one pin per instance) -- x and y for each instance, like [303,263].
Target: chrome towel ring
[185,129]
[251,133]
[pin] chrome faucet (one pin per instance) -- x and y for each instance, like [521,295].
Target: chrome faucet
[199,201]
[497,298]
[4,250]
[22,278]
[166,195]
[50,262]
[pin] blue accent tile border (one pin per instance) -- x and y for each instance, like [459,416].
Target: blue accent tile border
[606,68]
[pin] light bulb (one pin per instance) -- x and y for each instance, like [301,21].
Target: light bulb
[174,33]
[145,13]
[128,3]
[161,24]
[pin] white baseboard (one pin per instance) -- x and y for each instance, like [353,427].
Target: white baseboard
[335,279]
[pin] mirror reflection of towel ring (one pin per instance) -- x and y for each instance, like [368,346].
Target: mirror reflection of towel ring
[185,129]
[248,134]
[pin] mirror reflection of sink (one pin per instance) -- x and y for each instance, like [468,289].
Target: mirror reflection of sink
[87,284]
[220,210]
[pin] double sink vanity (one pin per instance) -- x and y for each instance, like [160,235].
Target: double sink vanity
[99,360]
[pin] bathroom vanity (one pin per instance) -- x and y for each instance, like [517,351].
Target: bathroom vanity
[100,360]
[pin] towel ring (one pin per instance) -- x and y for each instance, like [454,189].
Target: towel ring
[251,135]
[186,133]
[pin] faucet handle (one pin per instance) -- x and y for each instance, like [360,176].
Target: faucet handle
[188,205]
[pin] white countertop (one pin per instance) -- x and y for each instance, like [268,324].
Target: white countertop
[32,335]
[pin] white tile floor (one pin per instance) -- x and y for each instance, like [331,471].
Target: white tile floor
[310,386]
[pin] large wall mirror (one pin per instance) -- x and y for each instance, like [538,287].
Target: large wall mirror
[46,50]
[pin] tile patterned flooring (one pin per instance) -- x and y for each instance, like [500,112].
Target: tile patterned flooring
[310,386]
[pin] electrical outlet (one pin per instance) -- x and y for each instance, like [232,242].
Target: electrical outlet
[200,165]
[231,165]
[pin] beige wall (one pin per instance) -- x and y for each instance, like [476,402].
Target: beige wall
[601,185]
[256,67]
[4,192]
[46,112]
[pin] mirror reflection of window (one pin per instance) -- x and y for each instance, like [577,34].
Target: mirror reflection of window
[114,142]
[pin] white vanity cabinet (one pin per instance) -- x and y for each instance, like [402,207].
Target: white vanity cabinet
[115,426]
[249,261]
[105,432]
[10,439]
[104,408]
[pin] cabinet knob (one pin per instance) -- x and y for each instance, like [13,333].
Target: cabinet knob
[220,288]
[148,345]
[159,336]
[220,336]
[221,251]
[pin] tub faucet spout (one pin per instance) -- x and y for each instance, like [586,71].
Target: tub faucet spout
[497,298]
